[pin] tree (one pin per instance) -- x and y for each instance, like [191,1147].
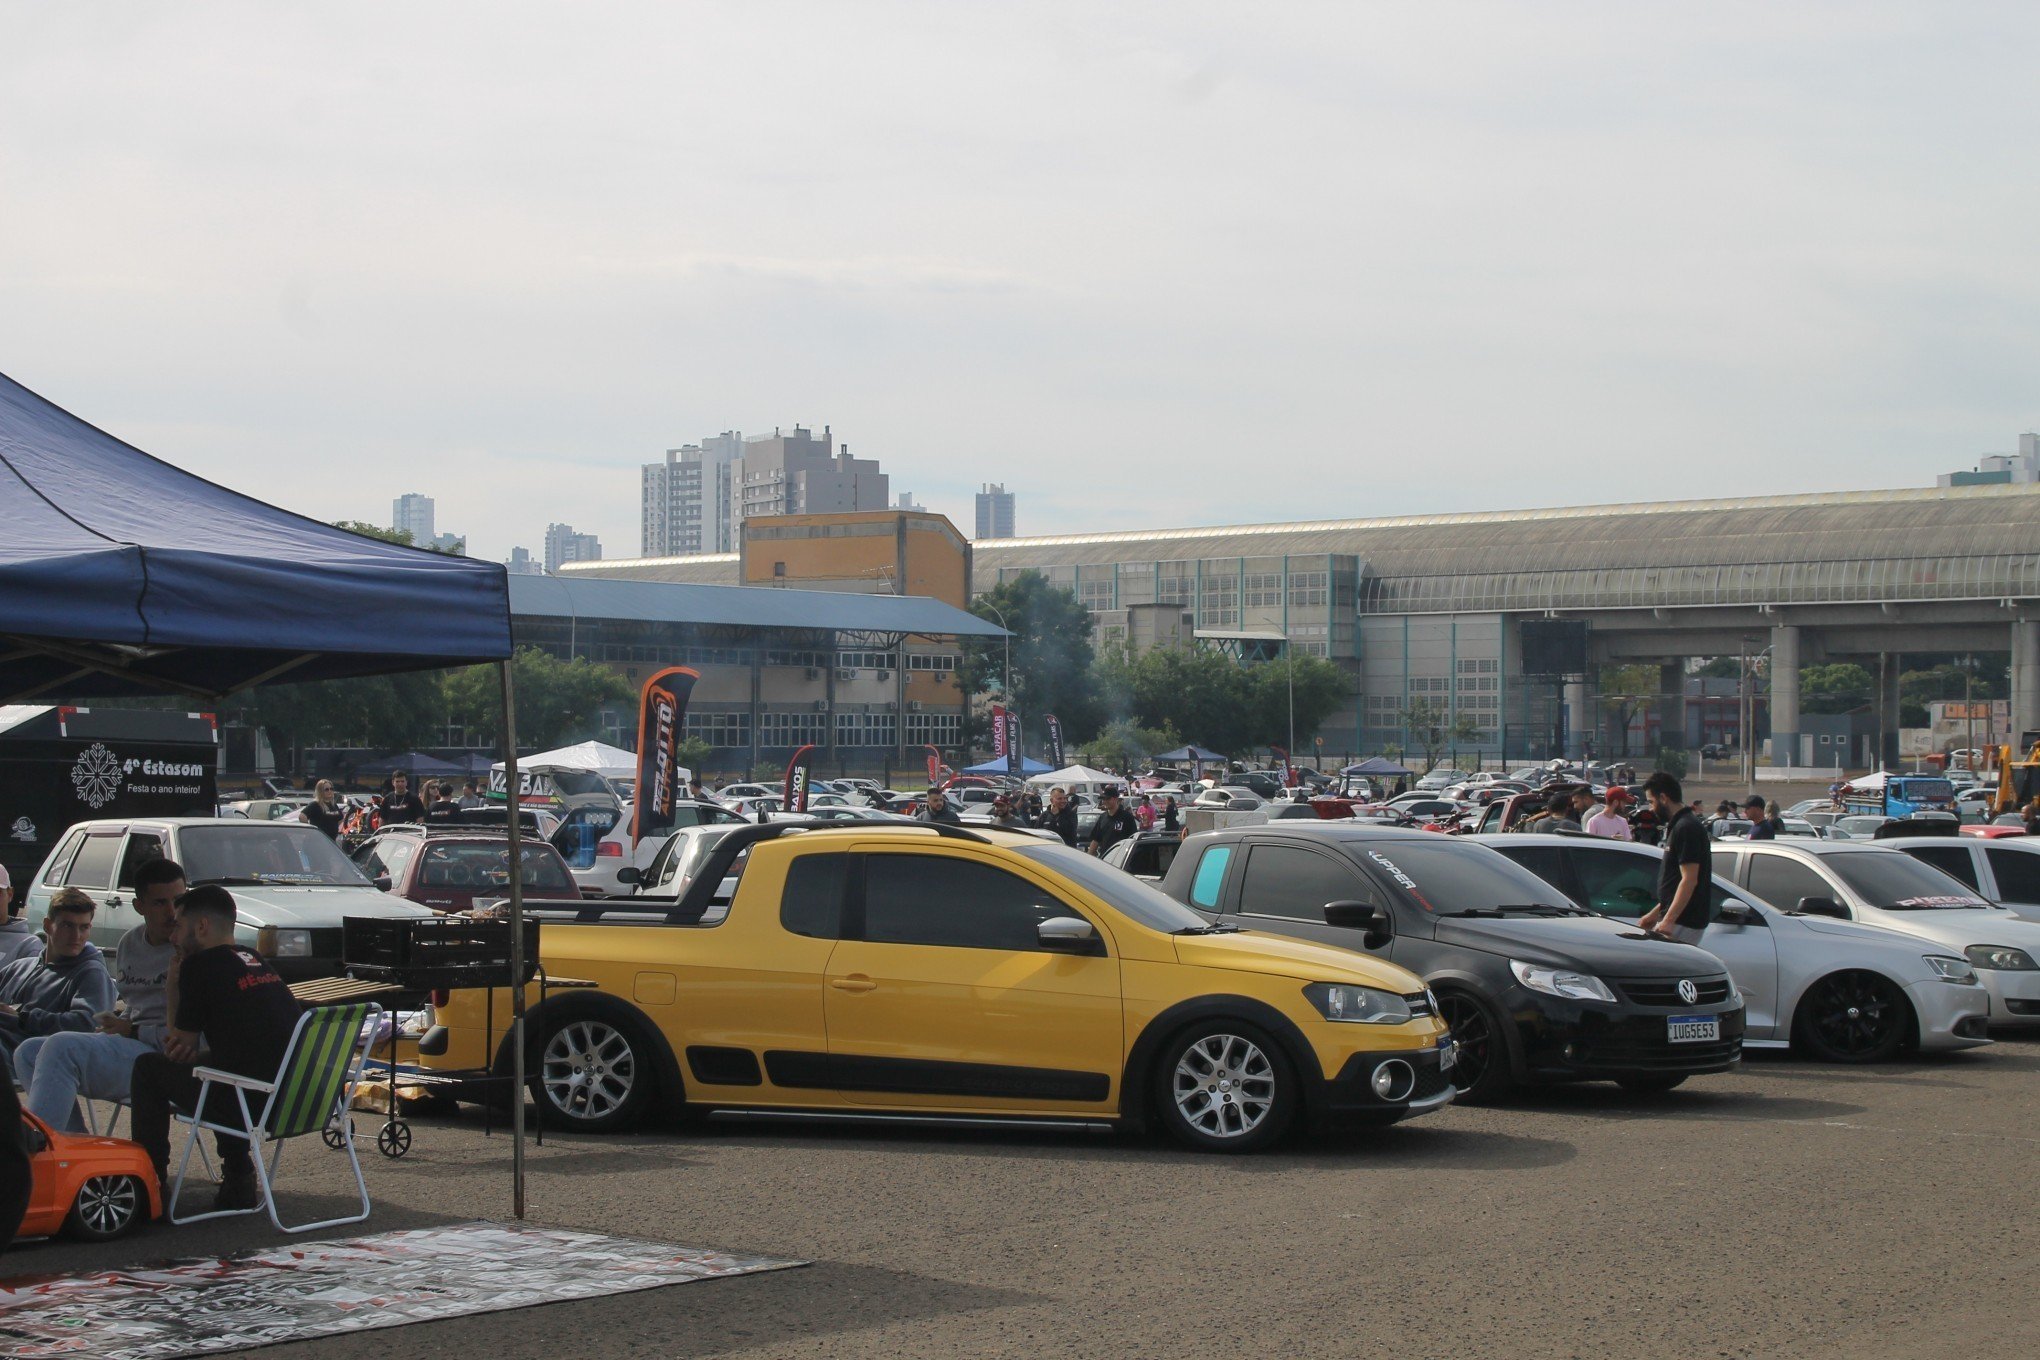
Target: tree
[401,537]
[1321,689]
[557,700]
[694,753]
[1124,744]
[385,712]
[1432,730]
[1625,692]
[1720,668]
[1841,687]
[1051,654]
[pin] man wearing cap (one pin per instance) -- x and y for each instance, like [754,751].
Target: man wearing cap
[1762,828]
[1114,823]
[17,937]
[1609,821]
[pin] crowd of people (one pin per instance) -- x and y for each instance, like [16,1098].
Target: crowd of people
[1118,816]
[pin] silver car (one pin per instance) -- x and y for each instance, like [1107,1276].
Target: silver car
[2006,870]
[1835,990]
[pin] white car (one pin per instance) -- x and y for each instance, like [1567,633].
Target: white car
[292,887]
[1836,990]
[1230,800]
[602,874]
[1859,881]
[1437,781]
[730,793]
[2005,870]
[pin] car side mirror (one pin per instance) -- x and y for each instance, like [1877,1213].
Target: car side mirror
[1823,906]
[1360,916]
[1068,935]
[382,882]
[628,874]
[1734,914]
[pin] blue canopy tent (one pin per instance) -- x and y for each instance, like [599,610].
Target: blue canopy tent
[120,574]
[998,765]
[1379,765]
[1199,754]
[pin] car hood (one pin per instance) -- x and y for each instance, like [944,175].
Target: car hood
[1250,951]
[1591,944]
[277,905]
[1961,928]
[1850,930]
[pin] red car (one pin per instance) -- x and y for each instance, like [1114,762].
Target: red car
[449,870]
[86,1187]
[1993,831]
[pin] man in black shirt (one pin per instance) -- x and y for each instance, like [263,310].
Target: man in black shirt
[1762,828]
[442,806]
[1061,817]
[400,804]
[937,809]
[229,996]
[1114,824]
[1686,879]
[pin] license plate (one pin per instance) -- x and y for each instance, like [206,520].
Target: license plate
[1693,1029]
[1448,1053]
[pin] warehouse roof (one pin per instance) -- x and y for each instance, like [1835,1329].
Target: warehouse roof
[741,606]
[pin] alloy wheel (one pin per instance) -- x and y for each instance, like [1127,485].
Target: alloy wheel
[107,1204]
[1856,1016]
[1473,1037]
[1224,1086]
[588,1069]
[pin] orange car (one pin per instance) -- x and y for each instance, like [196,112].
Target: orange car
[86,1187]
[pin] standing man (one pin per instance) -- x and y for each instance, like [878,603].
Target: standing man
[63,987]
[232,997]
[1609,821]
[17,936]
[1762,828]
[937,809]
[471,799]
[1061,817]
[1114,824]
[400,804]
[1686,880]
[56,1069]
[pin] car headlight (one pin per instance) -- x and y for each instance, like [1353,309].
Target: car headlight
[1357,1005]
[1561,982]
[2000,958]
[1953,969]
[272,943]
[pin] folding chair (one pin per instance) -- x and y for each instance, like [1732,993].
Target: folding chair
[309,1094]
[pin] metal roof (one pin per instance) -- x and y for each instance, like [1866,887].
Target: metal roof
[759,607]
[1846,526]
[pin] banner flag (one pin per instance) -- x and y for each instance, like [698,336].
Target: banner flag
[798,776]
[999,731]
[934,765]
[662,725]
[1012,741]
[1055,747]
[1288,767]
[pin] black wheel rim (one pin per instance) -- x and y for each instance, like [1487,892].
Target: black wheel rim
[1856,1015]
[1472,1035]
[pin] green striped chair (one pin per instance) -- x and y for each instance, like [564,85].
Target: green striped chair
[309,1094]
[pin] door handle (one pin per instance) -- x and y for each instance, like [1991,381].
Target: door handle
[856,982]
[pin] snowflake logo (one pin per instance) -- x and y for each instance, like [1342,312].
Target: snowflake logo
[96,776]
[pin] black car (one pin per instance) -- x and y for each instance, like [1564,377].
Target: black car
[1536,989]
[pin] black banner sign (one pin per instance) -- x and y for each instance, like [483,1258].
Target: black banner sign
[662,725]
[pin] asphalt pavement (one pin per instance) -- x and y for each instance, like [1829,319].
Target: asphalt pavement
[1787,1209]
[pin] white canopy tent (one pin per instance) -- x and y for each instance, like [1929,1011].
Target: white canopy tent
[1078,778]
[611,762]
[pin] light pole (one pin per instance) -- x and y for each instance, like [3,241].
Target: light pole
[1968,664]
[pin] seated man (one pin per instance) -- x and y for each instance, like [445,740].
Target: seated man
[229,995]
[56,1069]
[17,935]
[62,988]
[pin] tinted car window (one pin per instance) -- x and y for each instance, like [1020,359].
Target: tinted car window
[1782,882]
[939,900]
[1210,880]
[61,859]
[1289,881]
[812,902]
[94,866]
[1724,865]
[1141,902]
[1616,884]
[1445,877]
[1903,883]
[2018,874]
[480,864]
[1545,861]
[142,846]
[1949,859]
[266,852]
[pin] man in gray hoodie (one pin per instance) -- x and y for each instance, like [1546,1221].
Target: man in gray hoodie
[17,936]
[65,986]
[56,1069]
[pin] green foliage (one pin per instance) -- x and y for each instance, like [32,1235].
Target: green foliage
[1720,668]
[694,753]
[557,701]
[1841,687]
[1433,730]
[367,530]
[1215,701]
[386,712]
[1671,760]
[1123,744]
[1051,655]
[1627,691]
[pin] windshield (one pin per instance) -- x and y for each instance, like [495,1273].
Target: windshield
[264,852]
[1902,883]
[1118,889]
[485,865]
[1447,878]
[1915,789]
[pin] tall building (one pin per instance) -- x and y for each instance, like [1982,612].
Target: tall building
[907,502]
[2023,466]
[686,498]
[994,511]
[798,474]
[563,545]
[412,513]
[522,563]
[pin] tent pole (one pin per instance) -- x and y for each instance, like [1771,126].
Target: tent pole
[514,802]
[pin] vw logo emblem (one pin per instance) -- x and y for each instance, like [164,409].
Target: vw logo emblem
[1688,993]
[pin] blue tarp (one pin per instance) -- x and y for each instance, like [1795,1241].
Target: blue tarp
[1380,765]
[997,765]
[120,574]
[1200,754]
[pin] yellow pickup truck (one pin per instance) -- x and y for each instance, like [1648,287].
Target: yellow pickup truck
[897,970]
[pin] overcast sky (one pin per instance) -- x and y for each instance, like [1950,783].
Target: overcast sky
[1148,265]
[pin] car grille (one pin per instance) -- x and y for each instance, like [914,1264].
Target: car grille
[1656,1055]
[1665,991]
[1418,1002]
[326,944]
[1430,1082]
